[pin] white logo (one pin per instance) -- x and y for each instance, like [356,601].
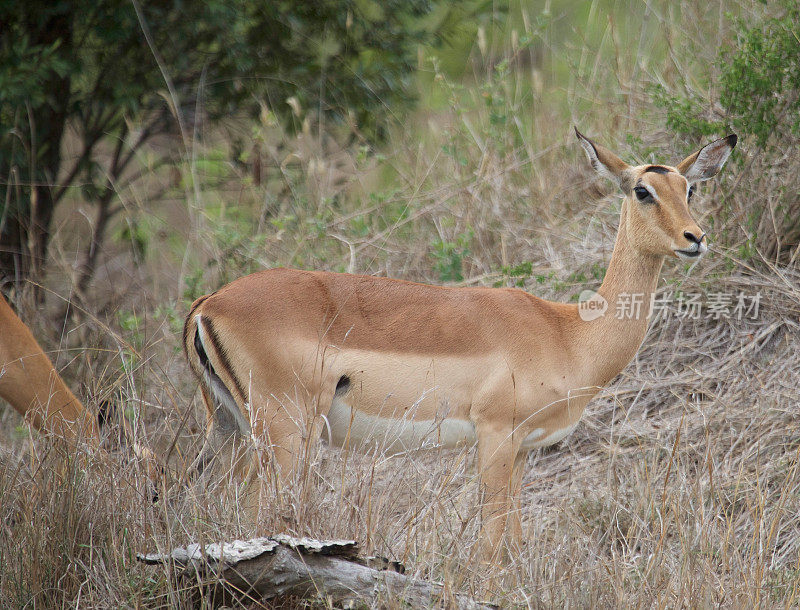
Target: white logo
[591,305]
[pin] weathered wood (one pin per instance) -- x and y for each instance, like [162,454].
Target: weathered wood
[283,566]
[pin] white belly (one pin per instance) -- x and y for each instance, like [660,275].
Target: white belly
[358,430]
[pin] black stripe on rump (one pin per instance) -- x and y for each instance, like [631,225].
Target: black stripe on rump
[223,357]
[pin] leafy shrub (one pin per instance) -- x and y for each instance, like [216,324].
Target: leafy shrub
[449,257]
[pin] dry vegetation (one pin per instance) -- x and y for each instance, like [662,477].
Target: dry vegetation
[679,488]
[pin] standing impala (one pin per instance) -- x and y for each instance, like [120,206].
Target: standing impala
[283,353]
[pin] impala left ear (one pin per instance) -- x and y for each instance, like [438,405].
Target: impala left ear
[707,161]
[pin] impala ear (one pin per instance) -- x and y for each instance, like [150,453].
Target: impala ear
[605,162]
[707,161]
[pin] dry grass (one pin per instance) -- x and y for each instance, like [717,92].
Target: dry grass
[679,489]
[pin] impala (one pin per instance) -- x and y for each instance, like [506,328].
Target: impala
[366,361]
[30,384]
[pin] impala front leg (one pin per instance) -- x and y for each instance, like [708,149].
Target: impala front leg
[497,457]
[515,516]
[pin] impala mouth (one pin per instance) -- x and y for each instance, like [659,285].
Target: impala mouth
[694,252]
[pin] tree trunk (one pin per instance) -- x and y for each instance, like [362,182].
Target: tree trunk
[26,231]
[28,202]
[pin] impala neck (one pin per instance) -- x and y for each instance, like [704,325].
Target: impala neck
[611,341]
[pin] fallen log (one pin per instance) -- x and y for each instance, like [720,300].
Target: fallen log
[282,566]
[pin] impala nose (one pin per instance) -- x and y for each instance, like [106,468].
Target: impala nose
[692,237]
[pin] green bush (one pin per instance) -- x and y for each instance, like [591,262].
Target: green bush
[759,82]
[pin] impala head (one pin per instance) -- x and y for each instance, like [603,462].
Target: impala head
[656,212]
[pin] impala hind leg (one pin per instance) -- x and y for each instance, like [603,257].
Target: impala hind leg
[224,455]
[271,474]
[284,437]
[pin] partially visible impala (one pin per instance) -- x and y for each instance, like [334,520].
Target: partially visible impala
[30,384]
[363,360]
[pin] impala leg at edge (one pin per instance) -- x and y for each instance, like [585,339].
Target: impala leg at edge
[30,384]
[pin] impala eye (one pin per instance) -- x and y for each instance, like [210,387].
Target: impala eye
[641,193]
[691,192]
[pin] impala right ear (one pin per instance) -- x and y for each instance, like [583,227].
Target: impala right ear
[706,162]
[605,162]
